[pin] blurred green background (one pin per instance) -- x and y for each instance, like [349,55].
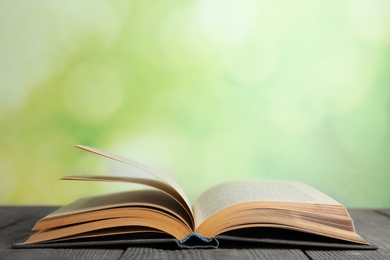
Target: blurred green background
[206,91]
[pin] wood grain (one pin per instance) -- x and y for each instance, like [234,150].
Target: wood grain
[226,254]
[15,225]
[372,226]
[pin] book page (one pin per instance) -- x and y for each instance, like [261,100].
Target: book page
[147,197]
[138,209]
[103,206]
[147,176]
[232,193]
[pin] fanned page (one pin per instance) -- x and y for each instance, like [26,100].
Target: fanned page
[149,177]
[148,198]
[103,215]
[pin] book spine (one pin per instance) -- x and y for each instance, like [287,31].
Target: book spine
[195,235]
[195,240]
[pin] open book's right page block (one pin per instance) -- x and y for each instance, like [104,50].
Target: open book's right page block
[232,193]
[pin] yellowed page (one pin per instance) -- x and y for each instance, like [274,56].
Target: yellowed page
[148,177]
[290,205]
[232,193]
[137,209]
[164,224]
[129,199]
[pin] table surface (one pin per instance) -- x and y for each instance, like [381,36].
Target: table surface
[16,222]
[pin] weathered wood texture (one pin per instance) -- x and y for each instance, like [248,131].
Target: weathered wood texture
[372,225]
[15,223]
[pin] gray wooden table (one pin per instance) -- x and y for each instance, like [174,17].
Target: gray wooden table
[15,223]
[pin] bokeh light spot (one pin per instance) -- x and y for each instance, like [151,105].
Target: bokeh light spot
[371,20]
[93,92]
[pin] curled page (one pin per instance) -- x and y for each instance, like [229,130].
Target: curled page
[150,177]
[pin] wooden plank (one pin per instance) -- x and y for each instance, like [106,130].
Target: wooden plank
[11,215]
[373,227]
[46,254]
[16,224]
[224,254]
[385,212]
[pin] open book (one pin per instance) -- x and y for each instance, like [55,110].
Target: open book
[243,212]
